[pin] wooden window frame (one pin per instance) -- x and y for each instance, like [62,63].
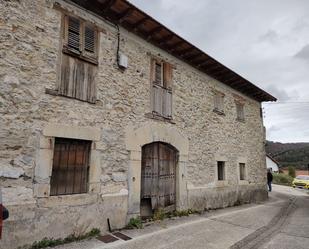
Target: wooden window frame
[240,111]
[164,87]
[219,103]
[82,53]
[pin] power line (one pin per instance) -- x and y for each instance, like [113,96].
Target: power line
[286,102]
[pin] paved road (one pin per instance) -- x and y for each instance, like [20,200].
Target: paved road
[282,222]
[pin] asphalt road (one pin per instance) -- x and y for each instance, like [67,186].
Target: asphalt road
[281,222]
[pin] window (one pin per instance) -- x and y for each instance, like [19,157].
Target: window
[80,39]
[221,170]
[79,60]
[240,111]
[162,77]
[242,171]
[70,167]
[219,102]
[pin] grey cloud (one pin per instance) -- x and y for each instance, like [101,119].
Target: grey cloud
[279,93]
[270,36]
[303,53]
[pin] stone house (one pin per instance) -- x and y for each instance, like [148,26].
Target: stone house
[107,114]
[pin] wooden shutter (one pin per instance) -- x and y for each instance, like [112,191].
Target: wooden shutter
[240,111]
[70,167]
[90,41]
[167,105]
[77,79]
[74,33]
[168,75]
[157,92]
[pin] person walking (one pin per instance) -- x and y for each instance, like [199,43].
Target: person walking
[269,179]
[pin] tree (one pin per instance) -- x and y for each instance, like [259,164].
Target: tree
[292,171]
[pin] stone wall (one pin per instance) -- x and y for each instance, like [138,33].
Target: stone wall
[29,55]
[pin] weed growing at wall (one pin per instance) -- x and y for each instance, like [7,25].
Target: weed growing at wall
[51,242]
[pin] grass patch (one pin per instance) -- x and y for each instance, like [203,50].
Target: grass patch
[282,179]
[51,242]
[160,215]
[135,223]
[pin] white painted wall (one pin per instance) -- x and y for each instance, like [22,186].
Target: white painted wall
[270,164]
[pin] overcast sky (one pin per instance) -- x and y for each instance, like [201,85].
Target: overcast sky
[266,41]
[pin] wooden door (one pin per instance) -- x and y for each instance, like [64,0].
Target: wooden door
[158,181]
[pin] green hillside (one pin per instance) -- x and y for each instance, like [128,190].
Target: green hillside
[289,154]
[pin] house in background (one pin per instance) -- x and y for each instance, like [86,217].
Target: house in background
[272,164]
[107,114]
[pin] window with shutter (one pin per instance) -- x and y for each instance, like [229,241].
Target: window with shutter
[79,60]
[74,34]
[70,167]
[162,89]
[219,102]
[240,111]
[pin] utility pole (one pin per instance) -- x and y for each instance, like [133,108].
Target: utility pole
[308,169]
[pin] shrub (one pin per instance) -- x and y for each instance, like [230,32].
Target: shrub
[282,179]
[291,171]
[135,223]
[159,215]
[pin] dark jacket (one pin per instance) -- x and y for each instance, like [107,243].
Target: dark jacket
[269,177]
[5,213]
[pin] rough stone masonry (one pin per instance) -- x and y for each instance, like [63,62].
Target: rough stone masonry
[118,126]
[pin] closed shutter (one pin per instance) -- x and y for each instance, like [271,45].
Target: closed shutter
[77,79]
[90,41]
[70,167]
[219,102]
[240,111]
[157,92]
[167,105]
[74,32]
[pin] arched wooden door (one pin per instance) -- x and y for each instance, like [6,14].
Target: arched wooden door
[158,178]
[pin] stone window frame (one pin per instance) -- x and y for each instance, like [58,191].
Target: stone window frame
[44,164]
[244,161]
[221,158]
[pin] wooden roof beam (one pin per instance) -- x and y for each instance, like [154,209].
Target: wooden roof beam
[174,46]
[151,33]
[106,7]
[139,23]
[124,15]
[205,62]
[166,39]
[192,57]
[186,52]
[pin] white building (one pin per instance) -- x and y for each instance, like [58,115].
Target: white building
[272,164]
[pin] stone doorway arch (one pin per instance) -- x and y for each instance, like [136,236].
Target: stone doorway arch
[150,133]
